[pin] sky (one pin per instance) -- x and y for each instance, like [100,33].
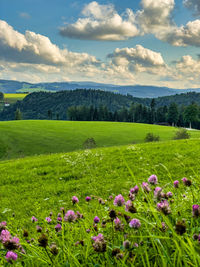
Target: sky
[129,42]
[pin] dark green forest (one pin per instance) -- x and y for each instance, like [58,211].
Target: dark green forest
[96,105]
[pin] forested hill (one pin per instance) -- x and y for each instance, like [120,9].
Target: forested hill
[38,105]
[45,105]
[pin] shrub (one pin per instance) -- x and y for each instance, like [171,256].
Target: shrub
[181,134]
[89,143]
[150,137]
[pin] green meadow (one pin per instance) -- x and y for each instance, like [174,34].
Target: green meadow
[36,186]
[26,138]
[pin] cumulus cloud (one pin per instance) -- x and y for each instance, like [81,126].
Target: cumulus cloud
[102,22]
[193,5]
[155,15]
[184,35]
[138,59]
[36,49]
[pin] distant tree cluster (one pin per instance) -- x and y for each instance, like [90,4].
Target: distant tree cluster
[174,115]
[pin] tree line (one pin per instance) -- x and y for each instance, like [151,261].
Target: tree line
[181,116]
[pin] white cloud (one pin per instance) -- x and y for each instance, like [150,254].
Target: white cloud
[194,5]
[37,49]
[155,15]
[102,22]
[24,15]
[138,59]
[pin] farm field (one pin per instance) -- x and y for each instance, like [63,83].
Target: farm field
[26,138]
[12,98]
[43,184]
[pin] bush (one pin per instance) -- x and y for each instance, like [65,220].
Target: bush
[150,137]
[181,134]
[89,143]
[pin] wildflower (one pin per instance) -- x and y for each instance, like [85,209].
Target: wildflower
[176,184]
[11,256]
[135,223]
[33,219]
[127,218]
[5,235]
[2,226]
[180,227]
[127,244]
[62,209]
[196,210]
[59,219]
[43,241]
[119,200]
[103,224]
[48,219]
[54,249]
[146,187]
[115,251]
[88,230]
[157,192]
[153,179]
[38,229]
[195,236]
[58,227]
[134,190]
[136,245]
[118,225]
[169,194]
[87,198]
[131,197]
[110,198]
[186,181]
[164,207]
[130,207]
[96,219]
[74,200]
[119,256]
[99,244]
[70,216]
[11,243]
[51,214]
[164,227]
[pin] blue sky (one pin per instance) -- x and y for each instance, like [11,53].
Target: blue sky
[155,42]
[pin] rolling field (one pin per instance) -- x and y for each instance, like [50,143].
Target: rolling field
[12,98]
[36,186]
[26,138]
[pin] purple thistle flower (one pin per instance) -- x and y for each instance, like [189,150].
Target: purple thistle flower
[157,192]
[48,219]
[176,184]
[196,210]
[79,215]
[110,197]
[146,187]
[136,245]
[70,216]
[97,238]
[134,190]
[33,219]
[51,214]
[59,219]
[119,200]
[164,207]
[96,219]
[169,194]
[127,244]
[10,255]
[58,227]
[88,230]
[117,221]
[3,223]
[38,229]
[74,200]
[87,198]
[135,223]
[186,181]
[5,236]
[131,197]
[153,179]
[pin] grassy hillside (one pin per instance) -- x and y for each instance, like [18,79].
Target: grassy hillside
[37,185]
[26,138]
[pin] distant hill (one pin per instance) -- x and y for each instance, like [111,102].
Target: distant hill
[37,105]
[9,86]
